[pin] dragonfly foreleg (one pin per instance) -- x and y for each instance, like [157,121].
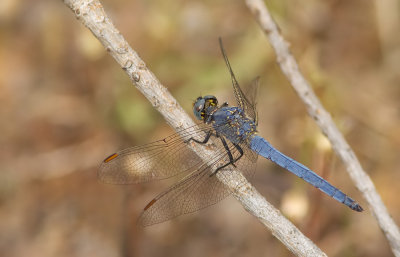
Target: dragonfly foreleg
[209,134]
[231,160]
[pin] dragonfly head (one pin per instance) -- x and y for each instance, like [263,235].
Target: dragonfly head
[204,106]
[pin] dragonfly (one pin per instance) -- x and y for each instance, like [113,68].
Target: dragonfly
[232,132]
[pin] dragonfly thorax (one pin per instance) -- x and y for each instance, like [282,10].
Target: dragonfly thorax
[205,106]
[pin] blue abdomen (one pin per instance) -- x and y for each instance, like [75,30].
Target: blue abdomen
[263,148]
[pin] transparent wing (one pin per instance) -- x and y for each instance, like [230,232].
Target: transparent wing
[198,190]
[251,94]
[247,104]
[158,160]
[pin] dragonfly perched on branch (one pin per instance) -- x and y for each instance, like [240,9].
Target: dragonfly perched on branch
[233,133]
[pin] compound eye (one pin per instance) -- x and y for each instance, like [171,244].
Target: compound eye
[212,100]
[199,108]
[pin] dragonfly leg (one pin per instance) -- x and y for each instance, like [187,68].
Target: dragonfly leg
[209,134]
[231,160]
[228,151]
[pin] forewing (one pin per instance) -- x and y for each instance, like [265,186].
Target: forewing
[158,160]
[248,105]
[199,189]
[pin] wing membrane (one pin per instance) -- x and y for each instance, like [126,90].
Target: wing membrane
[198,189]
[251,96]
[248,105]
[158,160]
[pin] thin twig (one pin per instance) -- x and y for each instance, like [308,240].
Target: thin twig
[93,16]
[323,119]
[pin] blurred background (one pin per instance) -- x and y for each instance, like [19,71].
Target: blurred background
[65,105]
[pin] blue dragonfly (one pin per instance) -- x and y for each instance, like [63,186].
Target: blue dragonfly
[232,131]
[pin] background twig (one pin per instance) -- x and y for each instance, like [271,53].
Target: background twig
[92,15]
[324,121]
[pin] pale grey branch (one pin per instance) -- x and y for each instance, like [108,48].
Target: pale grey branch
[93,16]
[323,119]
